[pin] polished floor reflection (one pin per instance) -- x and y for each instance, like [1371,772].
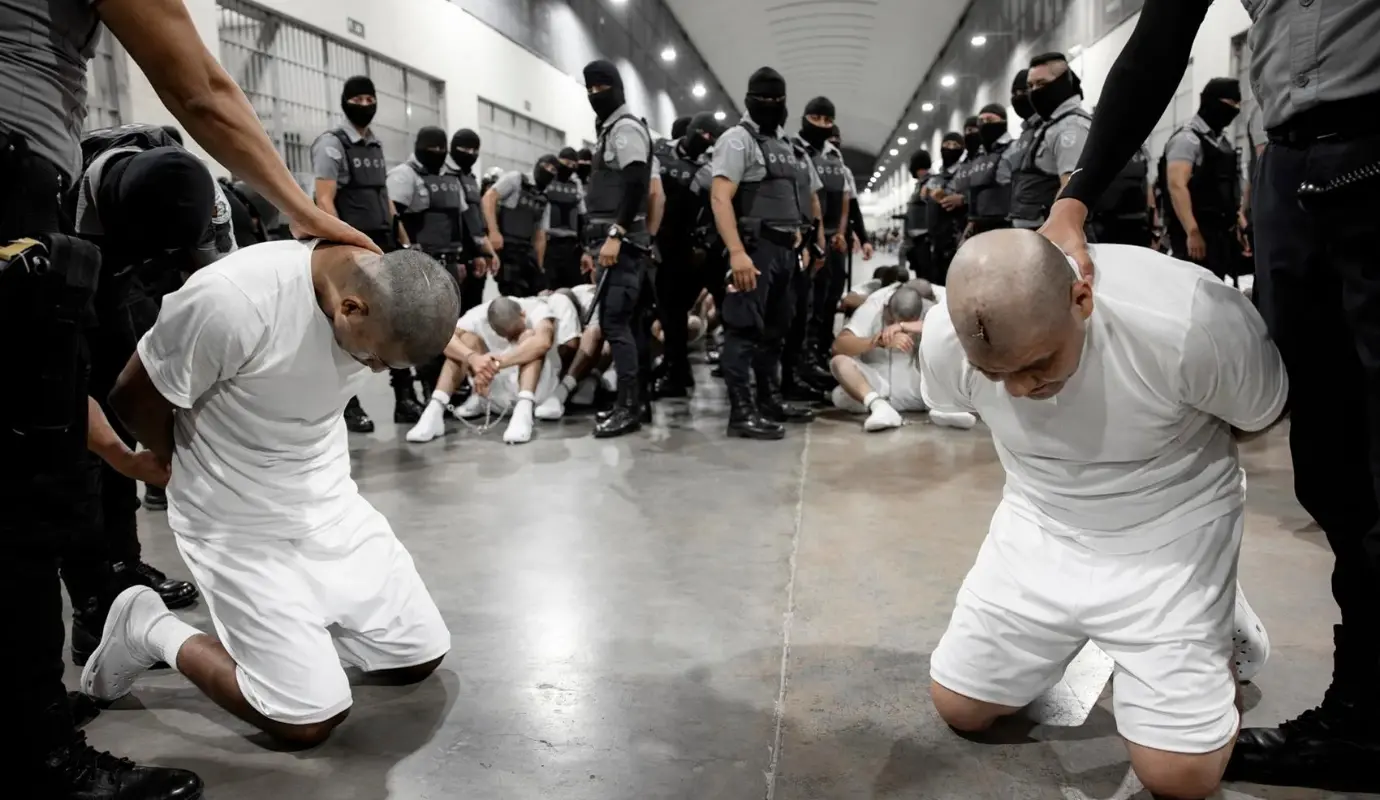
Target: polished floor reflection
[677,616]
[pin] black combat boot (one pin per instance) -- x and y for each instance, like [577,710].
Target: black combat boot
[1334,747]
[77,771]
[675,383]
[88,621]
[406,409]
[155,499]
[356,421]
[626,416]
[772,406]
[745,422]
[176,594]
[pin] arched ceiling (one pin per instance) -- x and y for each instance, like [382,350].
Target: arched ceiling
[868,56]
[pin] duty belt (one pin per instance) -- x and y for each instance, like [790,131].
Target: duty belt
[1339,121]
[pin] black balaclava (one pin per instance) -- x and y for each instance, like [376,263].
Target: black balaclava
[972,139]
[430,149]
[539,173]
[766,83]
[992,131]
[586,167]
[1217,114]
[816,135]
[602,73]
[1020,96]
[469,140]
[562,171]
[919,160]
[679,126]
[155,202]
[701,133]
[359,116]
[835,136]
[1047,99]
[950,155]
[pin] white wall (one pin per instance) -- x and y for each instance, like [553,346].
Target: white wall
[1211,59]
[438,38]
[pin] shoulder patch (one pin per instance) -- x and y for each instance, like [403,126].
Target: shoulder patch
[737,144]
[1068,138]
[620,141]
[334,152]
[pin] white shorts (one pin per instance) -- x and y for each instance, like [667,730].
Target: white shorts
[1165,617]
[504,390]
[567,319]
[898,382]
[290,611]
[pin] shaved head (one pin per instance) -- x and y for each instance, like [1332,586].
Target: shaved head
[905,305]
[1018,308]
[412,306]
[506,318]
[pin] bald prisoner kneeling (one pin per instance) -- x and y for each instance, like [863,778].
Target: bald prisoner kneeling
[1113,405]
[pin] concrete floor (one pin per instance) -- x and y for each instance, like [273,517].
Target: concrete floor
[673,615]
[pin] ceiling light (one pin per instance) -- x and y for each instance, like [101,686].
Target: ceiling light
[669,54]
[619,2]
[914,126]
[720,116]
[979,40]
[698,90]
[901,140]
[895,152]
[947,81]
[927,107]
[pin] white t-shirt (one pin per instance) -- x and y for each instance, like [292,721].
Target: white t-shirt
[476,321]
[250,360]
[867,322]
[1139,440]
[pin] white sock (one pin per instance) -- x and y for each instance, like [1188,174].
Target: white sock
[568,385]
[166,637]
[441,397]
[869,400]
[524,405]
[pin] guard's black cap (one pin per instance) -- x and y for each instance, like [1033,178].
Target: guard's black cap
[970,122]
[356,86]
[1018,83]
[767,82]
[465,138]
[585,154]
[820,106]
[569,154]
[679,126]
[431,137]
[704,121]
[161,199]
[920,159]
[1222,89]
[953,136]
[995,108]
[603,73]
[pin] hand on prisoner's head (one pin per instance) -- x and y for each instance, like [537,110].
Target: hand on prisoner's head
[397,310]
[1019,310]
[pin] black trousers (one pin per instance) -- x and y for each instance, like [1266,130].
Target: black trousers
[830,282]
[44,499]
[920,257]
[1112,230]
[805,324]
[562,263]
[756,322]
[518,273]
[679,279]
[623,318]
[1318,288]
[1223,250]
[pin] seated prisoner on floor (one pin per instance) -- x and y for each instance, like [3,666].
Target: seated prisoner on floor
[882,277]
[877,360]
[1115,406]
[241,386]
[508,349]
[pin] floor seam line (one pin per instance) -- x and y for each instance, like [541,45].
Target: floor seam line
[779,713]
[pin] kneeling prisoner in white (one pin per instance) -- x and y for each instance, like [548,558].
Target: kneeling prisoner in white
[1115,405]
[514,351]
[242,383]
[877,360]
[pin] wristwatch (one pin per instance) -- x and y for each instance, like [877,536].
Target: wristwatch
[615,232]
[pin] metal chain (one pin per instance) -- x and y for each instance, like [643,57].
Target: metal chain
[489,422]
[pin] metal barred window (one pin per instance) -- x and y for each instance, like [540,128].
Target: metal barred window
[107,85]
[512,141]
[293,76]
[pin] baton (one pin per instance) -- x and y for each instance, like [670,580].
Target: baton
[601,285]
